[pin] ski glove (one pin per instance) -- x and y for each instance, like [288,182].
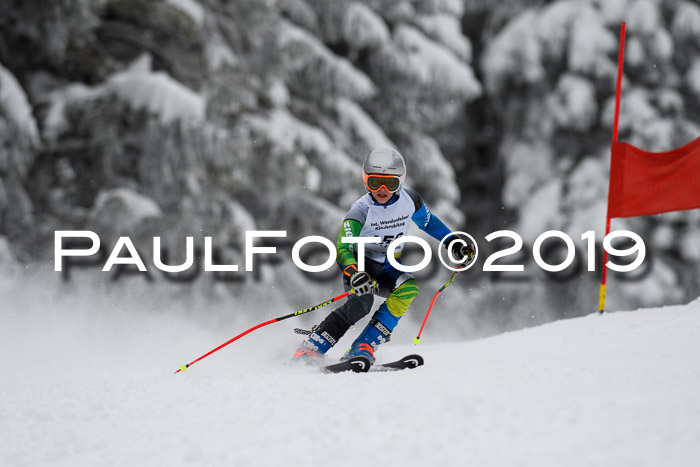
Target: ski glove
[362,283]
[461,252]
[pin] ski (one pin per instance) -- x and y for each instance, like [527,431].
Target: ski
[363,365]
[406,363]
[355,364]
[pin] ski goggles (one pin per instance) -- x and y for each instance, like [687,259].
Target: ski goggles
[374,183]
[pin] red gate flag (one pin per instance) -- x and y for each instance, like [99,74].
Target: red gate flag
[644,183]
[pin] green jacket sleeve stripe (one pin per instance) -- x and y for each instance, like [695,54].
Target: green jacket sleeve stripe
[344,256]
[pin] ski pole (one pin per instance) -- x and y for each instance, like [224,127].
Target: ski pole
[416,340]
[274,320]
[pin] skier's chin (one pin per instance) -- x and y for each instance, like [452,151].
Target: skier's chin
[382,198]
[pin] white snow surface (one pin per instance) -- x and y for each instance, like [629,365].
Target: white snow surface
[93,388]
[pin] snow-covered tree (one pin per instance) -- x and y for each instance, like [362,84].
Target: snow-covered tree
[552,71]
[20,140]
[209,117]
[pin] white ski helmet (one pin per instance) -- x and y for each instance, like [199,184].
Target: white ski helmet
[384,167]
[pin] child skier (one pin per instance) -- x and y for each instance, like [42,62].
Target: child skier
[383,212]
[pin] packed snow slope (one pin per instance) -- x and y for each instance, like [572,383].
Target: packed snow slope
[621,389]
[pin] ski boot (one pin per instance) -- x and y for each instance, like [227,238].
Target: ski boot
[377,331]
[306,355]
[322,338]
